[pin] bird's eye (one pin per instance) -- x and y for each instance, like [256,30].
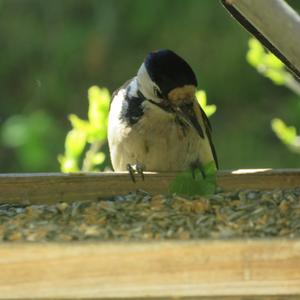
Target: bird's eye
[157,93]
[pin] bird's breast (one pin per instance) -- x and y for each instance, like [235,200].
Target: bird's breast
[160,140]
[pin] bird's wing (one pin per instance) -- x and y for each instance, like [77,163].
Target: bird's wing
[123,86]
[189,114]
[208,130]
[194,115]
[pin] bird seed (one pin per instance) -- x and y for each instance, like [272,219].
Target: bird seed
[141,216]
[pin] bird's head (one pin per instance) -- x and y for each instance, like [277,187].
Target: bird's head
[167,79]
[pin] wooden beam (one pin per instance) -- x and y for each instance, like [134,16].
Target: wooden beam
[54,187]
[274,23]
[256,268]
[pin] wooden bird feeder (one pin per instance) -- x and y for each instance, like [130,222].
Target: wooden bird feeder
[195,269]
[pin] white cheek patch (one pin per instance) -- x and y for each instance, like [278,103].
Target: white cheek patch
[133,88]
[146,85]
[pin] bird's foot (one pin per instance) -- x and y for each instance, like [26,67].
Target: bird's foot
[138,168]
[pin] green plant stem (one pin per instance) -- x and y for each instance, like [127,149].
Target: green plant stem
[293,85]
[88,159]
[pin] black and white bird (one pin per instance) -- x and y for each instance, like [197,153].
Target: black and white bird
[155,120]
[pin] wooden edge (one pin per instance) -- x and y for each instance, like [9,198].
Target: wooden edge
[269,297]
[55,187]
[241,297]
[254,268]
[274,23]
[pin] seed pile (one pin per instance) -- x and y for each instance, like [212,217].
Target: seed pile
[140,216]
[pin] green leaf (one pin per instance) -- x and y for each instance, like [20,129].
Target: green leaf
[210,169]
[185,184]
[267,63]
[80,124]
[75,143]
[99,158]
[202,100]
[273,62]
[68,164]
[210,110]
[255,53]
[99,100]
[93,131]
[201,97]
[287,134]
[278,77]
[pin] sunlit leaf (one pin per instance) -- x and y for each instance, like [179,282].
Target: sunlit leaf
[97,134]
[80,124]
[273,62]
[202,100]
[277,77]
[287,134]
[255,53]
[98,158]
[75,143]
[99,100]
[267,63]
[210,110]
[68,164]
[91,131]
[201,97]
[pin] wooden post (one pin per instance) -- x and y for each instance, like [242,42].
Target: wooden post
[274,23]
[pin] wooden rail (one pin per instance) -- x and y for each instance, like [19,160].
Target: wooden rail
[54,187]
[268,269]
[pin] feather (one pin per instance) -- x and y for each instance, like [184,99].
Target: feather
[208,130]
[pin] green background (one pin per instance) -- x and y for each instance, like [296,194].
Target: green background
[53,51]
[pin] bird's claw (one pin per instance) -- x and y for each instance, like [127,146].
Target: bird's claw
[131,171]
[137,168]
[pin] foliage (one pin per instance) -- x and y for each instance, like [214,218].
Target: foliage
[202,100]
[267,63]
[202,182]
[287,134]
[51,51]
[30,137]
[91,132]
[271,67]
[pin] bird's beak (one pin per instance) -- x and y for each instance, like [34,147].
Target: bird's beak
[182,95]
[183,102]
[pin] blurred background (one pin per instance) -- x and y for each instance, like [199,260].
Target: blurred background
[53,51]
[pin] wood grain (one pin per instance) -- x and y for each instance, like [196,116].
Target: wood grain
[158,269]
[54,187]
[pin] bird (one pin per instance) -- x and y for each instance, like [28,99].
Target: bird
[155,122]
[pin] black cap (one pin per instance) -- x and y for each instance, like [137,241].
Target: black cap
[169,71]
